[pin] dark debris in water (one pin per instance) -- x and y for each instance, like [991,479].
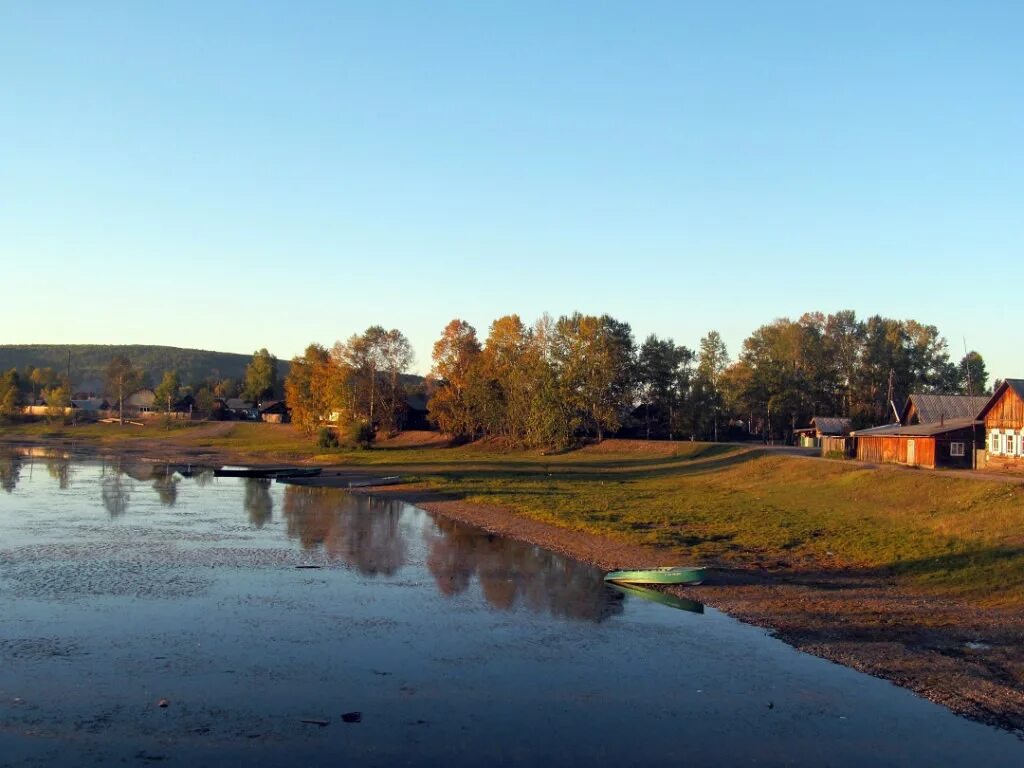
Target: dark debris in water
[352,717]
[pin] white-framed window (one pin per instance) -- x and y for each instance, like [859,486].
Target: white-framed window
[993,442]
[1011,447]
[956,449]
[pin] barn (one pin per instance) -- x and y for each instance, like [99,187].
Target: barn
[1003,417]
[948,443]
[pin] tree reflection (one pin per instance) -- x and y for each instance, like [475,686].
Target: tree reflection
[58,466]
[115,491]
[165,483]
[203,477]
[369,534]
[10,471]
[362,532]
[258,502]
[515,573]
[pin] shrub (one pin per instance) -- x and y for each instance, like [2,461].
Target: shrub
[361,434]
[326,438]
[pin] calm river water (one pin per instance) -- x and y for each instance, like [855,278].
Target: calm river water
[126,587]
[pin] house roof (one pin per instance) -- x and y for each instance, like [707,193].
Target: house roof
[832,425]
[917,430]
[937,408]
[274,406]
[416,402]
[238,404]
[1017,385]
[89,403]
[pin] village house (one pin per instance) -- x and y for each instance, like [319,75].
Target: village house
[275,412]
[830,433]
[1003,417]
[946,444]
[933,431]
[139,403]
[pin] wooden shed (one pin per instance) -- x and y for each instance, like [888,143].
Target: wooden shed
[946,444]
[823,427]
[1003,417]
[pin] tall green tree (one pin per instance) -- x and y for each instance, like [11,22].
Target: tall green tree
[58,400]
[972,375]
[712,360]
[396,357]
[663,378]
[167,391]
[595,362]
[260,377]
[122,380]
[10,395]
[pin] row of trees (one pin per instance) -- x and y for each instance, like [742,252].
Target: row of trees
[18,388]
[582,376]
[356,382]
[122,378]
[789,371]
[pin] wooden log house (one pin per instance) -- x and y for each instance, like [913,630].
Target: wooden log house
[1003,417]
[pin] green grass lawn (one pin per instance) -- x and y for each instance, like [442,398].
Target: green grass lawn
[718,504]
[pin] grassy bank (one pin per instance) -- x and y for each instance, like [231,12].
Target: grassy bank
[710,503]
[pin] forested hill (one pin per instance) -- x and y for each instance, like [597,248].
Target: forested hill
[89,361]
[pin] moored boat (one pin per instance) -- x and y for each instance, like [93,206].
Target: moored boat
[669,575]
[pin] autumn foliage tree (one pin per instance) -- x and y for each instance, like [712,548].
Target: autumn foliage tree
[455,378]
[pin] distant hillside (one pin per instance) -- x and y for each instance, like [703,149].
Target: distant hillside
[89,361]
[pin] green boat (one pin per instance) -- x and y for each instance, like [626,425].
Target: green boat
[670,575]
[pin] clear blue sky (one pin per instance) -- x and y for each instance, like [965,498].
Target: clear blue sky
[238,175]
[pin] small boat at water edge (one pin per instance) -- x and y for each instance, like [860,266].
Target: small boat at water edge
[670,575]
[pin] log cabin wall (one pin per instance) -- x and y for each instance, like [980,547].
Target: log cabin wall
[951,449]
[1006,413]
[1005,417]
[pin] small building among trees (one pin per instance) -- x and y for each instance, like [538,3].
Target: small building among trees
[1003,416]
[826,432]
[275,412]
[946,444]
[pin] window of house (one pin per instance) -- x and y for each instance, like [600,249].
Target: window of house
[956,449]
[1010,447]
[994,443]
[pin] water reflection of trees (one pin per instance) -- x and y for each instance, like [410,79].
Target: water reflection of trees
[356,530]
[515,573]
[165,483]
[115,491]
[10,471]
[258,502]
[58,466]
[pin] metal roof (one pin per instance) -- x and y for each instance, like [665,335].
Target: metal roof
[932,409]
[917,430]
[832,425]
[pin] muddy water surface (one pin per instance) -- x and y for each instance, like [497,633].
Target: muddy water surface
[147,617]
